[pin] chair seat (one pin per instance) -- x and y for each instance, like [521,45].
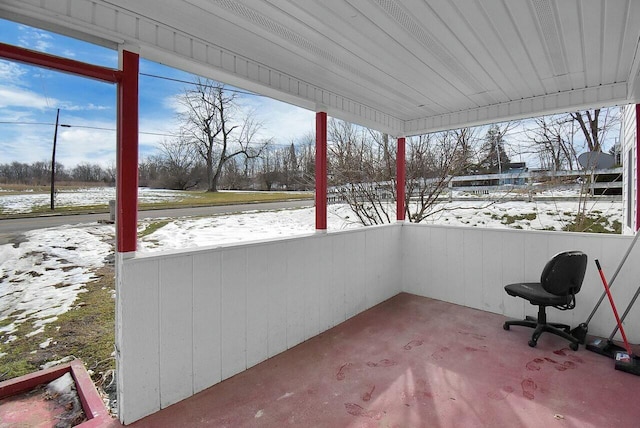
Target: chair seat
[534,293]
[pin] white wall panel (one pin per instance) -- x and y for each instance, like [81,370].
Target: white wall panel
[353,264]
[207,316]
[258,291]
[201,316]
[492,273]
[513,256]
[191,319]
[471,266]
[295,296]
[325,288]
[513,262]
[439,275]
[137,339]
[176,329]
[234,311]
[340,277]
[314,282]
[454,283]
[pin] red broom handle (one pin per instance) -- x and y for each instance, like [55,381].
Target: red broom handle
[613,306]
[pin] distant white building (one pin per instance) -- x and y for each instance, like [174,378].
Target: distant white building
[630,145]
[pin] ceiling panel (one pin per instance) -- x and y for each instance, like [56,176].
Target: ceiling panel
[400,66]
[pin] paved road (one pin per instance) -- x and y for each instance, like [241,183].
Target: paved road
[19,225]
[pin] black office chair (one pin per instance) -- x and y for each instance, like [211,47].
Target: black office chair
[560,281]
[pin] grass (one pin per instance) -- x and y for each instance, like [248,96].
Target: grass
[193,199]
[510,219]
[86,332]
[593,223]
[152,227]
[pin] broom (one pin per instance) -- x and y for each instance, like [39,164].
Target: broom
[625,361]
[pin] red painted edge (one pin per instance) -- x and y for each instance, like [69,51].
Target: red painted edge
[127,155]
[400,179]
[637,167]
[92,405]
[57,63]
[321,170]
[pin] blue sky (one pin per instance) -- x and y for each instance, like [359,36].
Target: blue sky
[30,96]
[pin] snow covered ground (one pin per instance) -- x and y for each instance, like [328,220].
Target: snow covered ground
[42,273]
[27,202]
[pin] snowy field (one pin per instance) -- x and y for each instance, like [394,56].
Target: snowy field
[42,272]
[27,202]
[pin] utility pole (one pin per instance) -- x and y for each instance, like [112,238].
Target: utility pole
[53,159]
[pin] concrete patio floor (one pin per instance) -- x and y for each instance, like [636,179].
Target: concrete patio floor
[417,362]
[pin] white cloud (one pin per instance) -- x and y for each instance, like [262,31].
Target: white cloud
[86,107]
[17,97]
[11,72]
[281,121]
[35,39]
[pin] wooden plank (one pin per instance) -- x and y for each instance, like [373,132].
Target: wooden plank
[276,279]
[339,278]
[176,329]
[325,286]
[356,300]
[259,258]
[137,339]
[416,259]
[513,270]
[207,312]
[440,276]
[454,286]
[234,311]
[296,281]
[472,267]
[492,279]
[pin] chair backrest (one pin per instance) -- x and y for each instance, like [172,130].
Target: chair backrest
[563,274]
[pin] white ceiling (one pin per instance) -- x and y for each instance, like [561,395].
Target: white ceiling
[401,66]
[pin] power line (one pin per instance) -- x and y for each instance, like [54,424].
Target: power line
[173,79]
[100,128]
[160,134]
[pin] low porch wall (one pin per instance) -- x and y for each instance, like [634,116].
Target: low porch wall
[188,320]
[470,266]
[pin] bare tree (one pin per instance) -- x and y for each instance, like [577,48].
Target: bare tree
[552,141]
[214,124]
[595,124]
[363,169]
[179,164]
[432,160]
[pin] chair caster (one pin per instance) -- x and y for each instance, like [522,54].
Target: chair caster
[533,343]
[573,346]
[505,326]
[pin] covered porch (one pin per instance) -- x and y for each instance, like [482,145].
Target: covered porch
[187,321]
[414,362]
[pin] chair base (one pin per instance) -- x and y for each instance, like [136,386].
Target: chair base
[540,326]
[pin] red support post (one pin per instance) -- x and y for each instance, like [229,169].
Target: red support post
[127,154]
[321,171]
[400,179]
[637,159]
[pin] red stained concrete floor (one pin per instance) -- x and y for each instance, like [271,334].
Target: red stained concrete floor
[417,362]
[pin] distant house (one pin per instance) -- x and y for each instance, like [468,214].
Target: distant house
[630,144]
[515,169]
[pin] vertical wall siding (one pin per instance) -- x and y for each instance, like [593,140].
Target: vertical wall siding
[187,321]
[470,266]
[628,130]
